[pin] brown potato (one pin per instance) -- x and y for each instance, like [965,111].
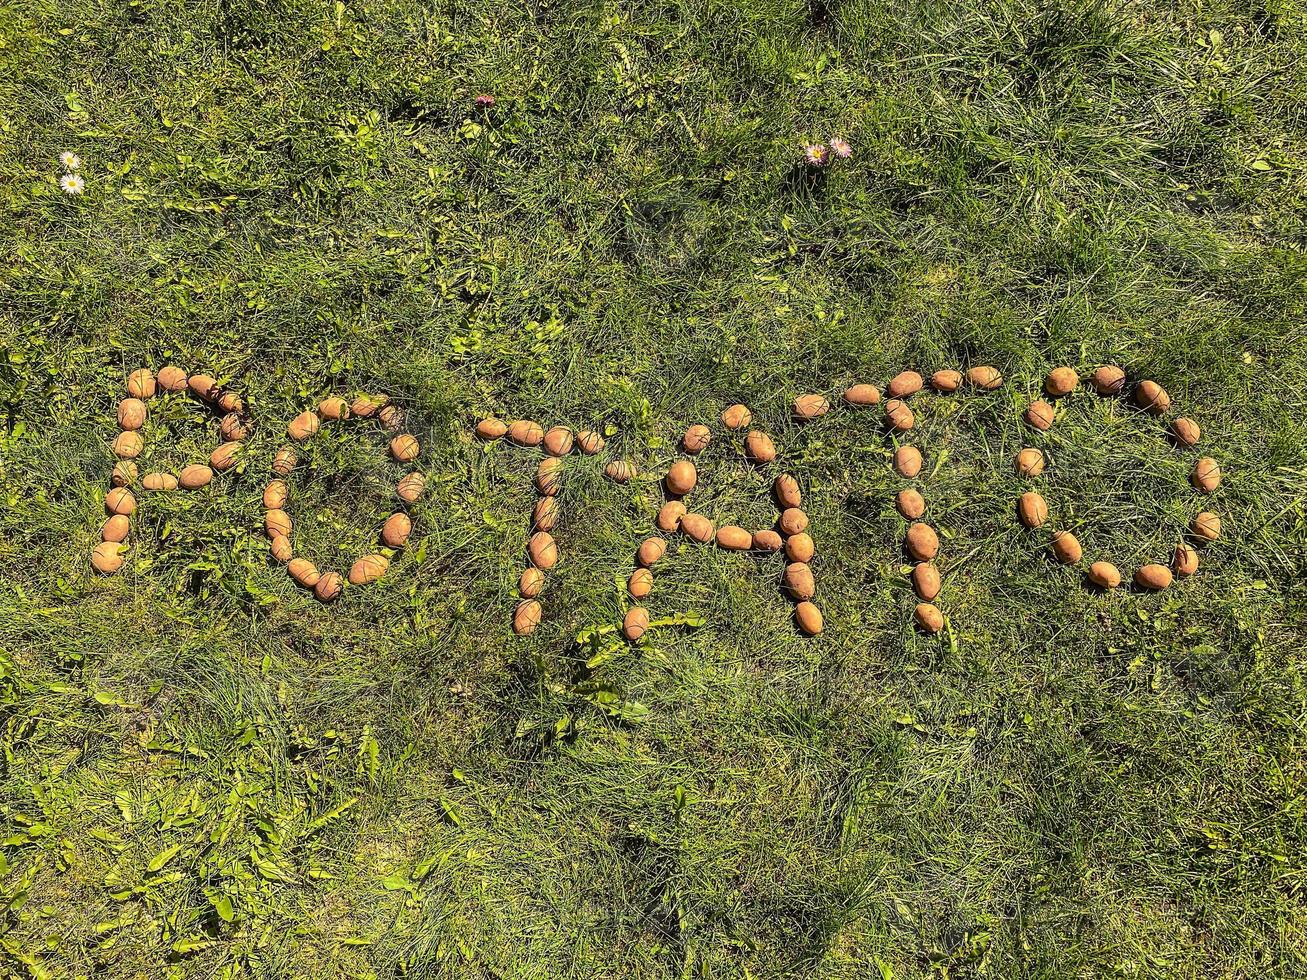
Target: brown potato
[366,406]
[304,572]
[810,407]
[798,547]
[669,516]
[395,532]
[124,473]
[681,478]
[491,429]
[926,581]
[172,378]
[985,377]
[1152,398]
[1066,548]
[759,447]
[275,495]
[194,477]
[736,417]
[233,427]
[277,522]
[786,491]
[1154,577]
[696,439]
[128,445]
[542,549]
[650,550]
[558,441]
[115,528]
[131,414]
[922,542]
[907,461]
[328,587]
[140,383]
[1030,462]
[620,471]
[698,528]
[733,538]
[159,481]
[285,461]
[526,617]
[391,418]
[545,514]
[904,384]
[203,386]
[119,500]
[410,487]
[808,617]
[928,617]
[898,416]
[768,541]
[1206,475]
[860,396]
[334,408]
[640,584]
[635,623]
[1109,380]
[281,548]
[302,426]
[524,432]
[946,380]
[1185,560]
[910,504]
[589,441]
[230,402]
[368,569]
[224,457]
[1206,526]
[405,448]
[549,476]
[1185,431]
[531,582]
[1039,414]
[798,580]
[792,521]
[1061,381]
[107,557]
[1031,509]
[1104,574]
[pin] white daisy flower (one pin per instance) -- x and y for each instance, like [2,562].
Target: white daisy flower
[71,161]
[72,184]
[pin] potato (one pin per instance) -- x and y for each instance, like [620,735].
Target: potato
[1030,462]
[736,417]
[131,414]
[681,478]
[276,521]
[281,548]
[140,383]
[903,384]
[898,416]
[366,406]
[329,587]
[410,487]
[172,378]
[619,471]
[1104,574]
[491,429]
[985,377]
[203,386]
[650,550]
[531,582]
[860,396]
[926,581]
[1185,560]
[589,441]
[907,461]
[808,617]
[1061,381]
[1185,431]
[391,418]
[768,541]
[635,623]
[159,481]
[395,532]
[696,439]
[558,441]
[1206,475]
[928,617]
[285,461]
[1152,398]
[1206,526]
[334,408]
[303,426]
[798,580]
[542,549]
[640,584]
[1039,414]
[304,572]
[1109,380]
[405,448]
[524,432]
[115,528]
[230,402]
[731,537]
[922,542]
[224,457]
[526,617]
[128,445]
[792,521]
[1031,509]
[194,477]
[808,407]
[798,547]
[669,516]
[119,500]
[759,447]
[1066,548]
[368,569]
[545,514]
[1154,577]
[549,476]
[233,427]
[698,528]
[910,504]
[275,495]
[786,490]
[107,558]
[946,380]
[124,473]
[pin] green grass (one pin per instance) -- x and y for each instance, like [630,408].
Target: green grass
[207,774]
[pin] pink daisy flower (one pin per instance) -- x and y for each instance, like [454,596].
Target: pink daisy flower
[816,154]
[485,101]
[841,148]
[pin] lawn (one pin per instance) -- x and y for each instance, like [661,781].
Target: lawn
[209,773]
